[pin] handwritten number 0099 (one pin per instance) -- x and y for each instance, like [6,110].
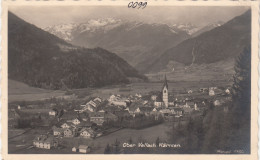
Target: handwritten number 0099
[137,5]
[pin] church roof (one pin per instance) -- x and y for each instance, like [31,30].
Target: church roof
[165,82]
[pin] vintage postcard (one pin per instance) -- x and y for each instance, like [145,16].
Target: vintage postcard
[143,79]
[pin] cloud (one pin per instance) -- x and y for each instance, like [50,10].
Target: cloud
[43,16]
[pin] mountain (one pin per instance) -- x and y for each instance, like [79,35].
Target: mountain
[207,28]
[187,27]
[43,60]
[137,42]
[219,44]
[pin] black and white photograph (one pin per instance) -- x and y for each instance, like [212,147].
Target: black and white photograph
[120,80]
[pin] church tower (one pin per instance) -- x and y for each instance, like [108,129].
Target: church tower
[165,92]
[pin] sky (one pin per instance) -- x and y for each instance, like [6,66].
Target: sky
[44,16]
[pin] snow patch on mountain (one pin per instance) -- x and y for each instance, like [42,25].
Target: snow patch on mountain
[63,30]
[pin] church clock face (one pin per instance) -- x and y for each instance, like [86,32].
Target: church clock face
[165,90]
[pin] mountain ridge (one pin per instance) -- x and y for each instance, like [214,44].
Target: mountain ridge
[220,43]
[43,60]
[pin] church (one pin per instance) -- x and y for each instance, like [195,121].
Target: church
[163,101]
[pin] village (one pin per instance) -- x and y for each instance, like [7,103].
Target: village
[99,117]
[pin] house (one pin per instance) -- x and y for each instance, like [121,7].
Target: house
[166,112]
[217,103]
[117,100]
[189,104]
[97,100]
[53,112]
[65,125]
[76,121]
[154,111]
[119,103]
[68,132]
[74,149]
[101,110]
[196,107]
[138,95]
[179,112]
[211,92]
[57,131]
[227,91]
[86,133]
[190,91]
[153,97]
[137,110]
[131,109]
[88,107]
[91,105]
[203,90]
[84,149]
[45,142]
[98,118]
[112,98]
[158,104]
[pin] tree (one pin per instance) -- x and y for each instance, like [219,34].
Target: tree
[130,141]
[241,96]
[241,92]
[117,148]
[108,149]
[157,141]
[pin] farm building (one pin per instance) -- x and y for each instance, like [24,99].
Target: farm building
[84,149]
[86,133]
[45,142]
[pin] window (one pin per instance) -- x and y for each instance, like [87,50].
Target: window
[164,91]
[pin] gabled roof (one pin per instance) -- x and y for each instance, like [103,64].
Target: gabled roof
[83,147]
[89,130]
[165,111]
[44,138]
[58,129]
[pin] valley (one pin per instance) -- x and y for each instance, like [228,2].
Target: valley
[93,86]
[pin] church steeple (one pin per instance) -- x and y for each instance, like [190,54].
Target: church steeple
[165,84]
[165,92]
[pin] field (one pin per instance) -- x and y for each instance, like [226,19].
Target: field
[20,144]
[218,71]
[21,92]
[18,91]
